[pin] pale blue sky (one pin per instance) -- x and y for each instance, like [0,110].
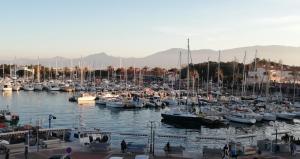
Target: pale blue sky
[74,28]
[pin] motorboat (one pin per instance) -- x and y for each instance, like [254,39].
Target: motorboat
[137,103]
[240,118]
[7,116]
[268,116]
[86,97]
[7,87]
[53,87]
[154,102]
[285,115]
[115,103]
[191,120]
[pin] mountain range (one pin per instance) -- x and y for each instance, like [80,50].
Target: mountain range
[170,58]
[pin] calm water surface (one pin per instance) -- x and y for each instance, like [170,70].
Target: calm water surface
[36,106]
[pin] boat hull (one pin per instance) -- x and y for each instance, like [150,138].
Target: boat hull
[190,121]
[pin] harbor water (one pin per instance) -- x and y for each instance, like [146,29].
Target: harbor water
[35,107]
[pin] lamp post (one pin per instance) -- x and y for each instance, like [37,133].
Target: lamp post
[50,118]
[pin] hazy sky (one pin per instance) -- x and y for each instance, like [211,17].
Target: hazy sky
[73,28]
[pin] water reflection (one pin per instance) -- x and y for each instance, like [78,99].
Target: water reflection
[7,93]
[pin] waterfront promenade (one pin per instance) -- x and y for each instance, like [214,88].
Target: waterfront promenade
[45,154]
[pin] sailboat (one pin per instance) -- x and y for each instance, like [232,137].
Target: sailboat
[186,118]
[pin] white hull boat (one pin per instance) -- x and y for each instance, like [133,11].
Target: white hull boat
[115,103]
[285,115]
[16,87]
[269,116]
[7,87]
[28,88]
[86,97]
[240,118]
[38,87]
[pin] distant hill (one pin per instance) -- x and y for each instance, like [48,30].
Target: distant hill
[170,58]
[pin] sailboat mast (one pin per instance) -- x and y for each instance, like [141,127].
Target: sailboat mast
[233,76]
[179,74]
[207,78]
[38,70]
[81,72]
[15,68]
[219,67]
[71,70]
[188,67]
[255,71]
[56,71]
[3,71]
[244,75]
[280,81]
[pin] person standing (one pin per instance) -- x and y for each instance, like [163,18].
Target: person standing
[26,152]
[7,154]
[123,146]
[292,147]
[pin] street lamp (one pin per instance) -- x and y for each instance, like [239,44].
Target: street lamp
[50,118]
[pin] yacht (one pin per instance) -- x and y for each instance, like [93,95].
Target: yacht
[190,120]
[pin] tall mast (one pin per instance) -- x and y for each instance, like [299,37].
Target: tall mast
[10,70]
[233,76]
[71,70]
[268,79]
[255,73]
[244,75]
[188,67]
[56,72]
[120,66]
[179,74]
[219,67]
[134,74]
[38,70]
[15,70]
[207,78]
[81,72]
[280,81]
[3,71]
